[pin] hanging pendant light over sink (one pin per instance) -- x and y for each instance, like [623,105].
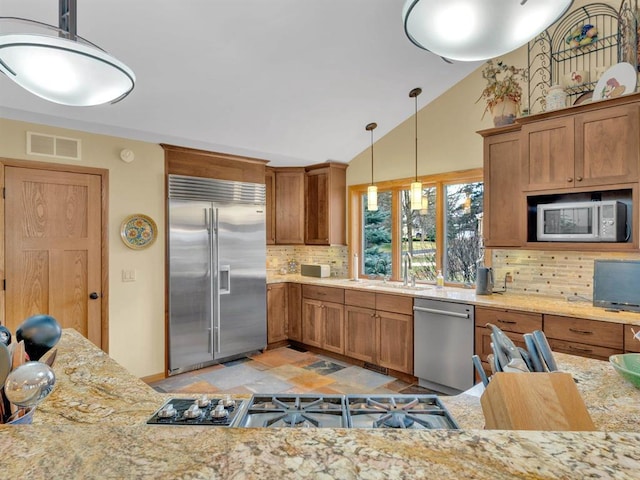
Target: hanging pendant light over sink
[58,65]
[416,186]
[372,190]
[473,30]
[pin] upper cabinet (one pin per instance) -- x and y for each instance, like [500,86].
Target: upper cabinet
[270,184]
[504,208]
[306,205]
[325,190]
[289,205]
[583,153]
[593,148]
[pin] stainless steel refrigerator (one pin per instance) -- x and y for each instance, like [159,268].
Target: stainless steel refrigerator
[217,271]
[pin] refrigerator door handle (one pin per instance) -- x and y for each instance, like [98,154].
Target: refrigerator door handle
[216,315]
[225,279]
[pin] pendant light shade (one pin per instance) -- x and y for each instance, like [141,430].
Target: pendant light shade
[472,30]
[416,186]
[59,66]
[372,190]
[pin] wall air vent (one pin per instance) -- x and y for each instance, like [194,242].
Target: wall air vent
[53,146]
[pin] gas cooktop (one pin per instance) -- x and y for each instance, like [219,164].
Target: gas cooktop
[347,411]
[202,411]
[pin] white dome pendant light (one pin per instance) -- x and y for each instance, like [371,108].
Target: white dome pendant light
[372,190]
[60,66]
[416,186]
[473,30]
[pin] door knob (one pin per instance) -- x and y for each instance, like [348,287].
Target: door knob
[93,295]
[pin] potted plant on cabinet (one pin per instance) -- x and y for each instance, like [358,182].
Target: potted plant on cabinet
[503,92]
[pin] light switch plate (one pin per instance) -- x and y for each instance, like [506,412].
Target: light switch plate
[128,275]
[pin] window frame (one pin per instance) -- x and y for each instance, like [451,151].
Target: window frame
[356,214]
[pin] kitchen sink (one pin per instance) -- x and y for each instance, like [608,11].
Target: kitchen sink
[398,286]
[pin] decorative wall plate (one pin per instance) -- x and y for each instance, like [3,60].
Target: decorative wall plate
[138,231]
[619,80]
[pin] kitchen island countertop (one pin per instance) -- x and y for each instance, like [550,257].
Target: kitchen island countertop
[528,303]
[93,426]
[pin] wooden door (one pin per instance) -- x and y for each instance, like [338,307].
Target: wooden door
[504,207]
[312,314]
[317,207]
[53,248]
[276,312]
[396,341]
[333,327]
[607,146]
[360,333]
[547,153]
[270,185]
[289,198]
[294,320]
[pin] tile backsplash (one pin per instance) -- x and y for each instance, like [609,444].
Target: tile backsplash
[279,256]
[556,273]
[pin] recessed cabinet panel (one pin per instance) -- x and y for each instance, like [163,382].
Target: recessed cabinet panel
[548,154]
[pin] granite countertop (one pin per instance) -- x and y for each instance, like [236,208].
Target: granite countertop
[526,303]
[93,426]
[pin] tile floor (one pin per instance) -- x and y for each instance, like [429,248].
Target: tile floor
[285,370]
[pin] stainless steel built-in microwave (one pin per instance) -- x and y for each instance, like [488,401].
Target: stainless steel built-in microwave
[601,221]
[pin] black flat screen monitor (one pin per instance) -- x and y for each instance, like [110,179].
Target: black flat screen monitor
[616,284]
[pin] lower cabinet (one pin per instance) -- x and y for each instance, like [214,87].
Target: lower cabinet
[585,338]
[377,336]
[277,312]
[294,317]
[631,344]
[323,325]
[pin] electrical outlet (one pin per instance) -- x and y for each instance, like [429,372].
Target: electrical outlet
[508,278]
[128,275]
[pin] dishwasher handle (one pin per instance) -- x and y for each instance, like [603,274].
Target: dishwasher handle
[441,312]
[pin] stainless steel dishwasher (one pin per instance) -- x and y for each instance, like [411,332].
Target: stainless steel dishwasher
[443,345]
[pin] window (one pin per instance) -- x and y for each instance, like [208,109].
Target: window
[443,235]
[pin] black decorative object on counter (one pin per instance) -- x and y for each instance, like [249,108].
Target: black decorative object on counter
[40,333]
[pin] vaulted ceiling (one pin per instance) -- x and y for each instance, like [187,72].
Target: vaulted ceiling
[291,81]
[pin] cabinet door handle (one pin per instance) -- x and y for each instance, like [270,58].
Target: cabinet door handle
[510,322]
[569,179]
[581,332]
[578,179]
[578,349]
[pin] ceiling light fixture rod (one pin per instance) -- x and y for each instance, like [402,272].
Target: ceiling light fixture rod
[68,21]
[370,128]
[414,94]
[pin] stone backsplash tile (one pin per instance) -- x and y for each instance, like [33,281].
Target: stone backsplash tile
[280,256]
[556,274]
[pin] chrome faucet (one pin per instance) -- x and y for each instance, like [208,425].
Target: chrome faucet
[406,265]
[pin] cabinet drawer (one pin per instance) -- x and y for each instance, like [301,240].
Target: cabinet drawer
[580,330]
[582,350]
[394,303]
[326,294]
[509,320]
[359,298]
[631,344]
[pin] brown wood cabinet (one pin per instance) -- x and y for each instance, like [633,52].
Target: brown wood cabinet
[289,205]
[379,329]
[593,148]
[582,337]
[323,325]
[325,191]
[294,312]
[270,218]
[277,312]
[513,323]
[504,207]
[630,343]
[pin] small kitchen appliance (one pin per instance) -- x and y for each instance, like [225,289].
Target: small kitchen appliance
[203,411]
[484,281]
[598,221]
[319,271]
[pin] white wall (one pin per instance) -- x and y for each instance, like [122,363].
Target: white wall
[136,309]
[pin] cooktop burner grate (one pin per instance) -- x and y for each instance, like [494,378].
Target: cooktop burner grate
[295,411]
